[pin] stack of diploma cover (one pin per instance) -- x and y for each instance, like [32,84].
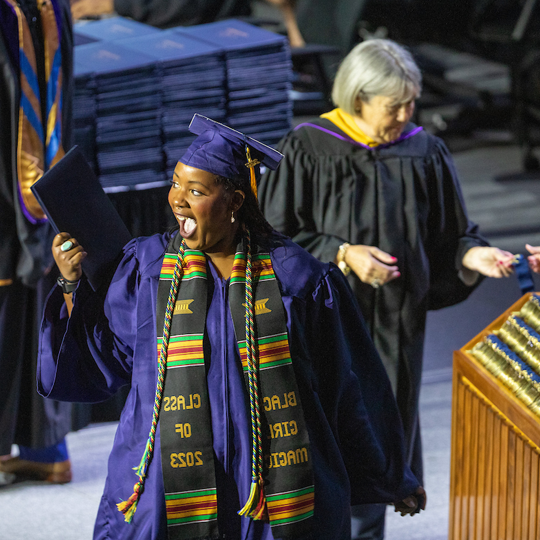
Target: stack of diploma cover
[138,87]
[84,111]
[128,106]
[259,74]
[128,123]
[111,29]
[192,80]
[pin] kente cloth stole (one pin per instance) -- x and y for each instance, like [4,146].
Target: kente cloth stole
[185,422]
[39,140]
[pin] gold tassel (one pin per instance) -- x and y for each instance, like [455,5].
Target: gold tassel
[251,165]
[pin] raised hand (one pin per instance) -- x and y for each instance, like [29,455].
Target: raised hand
[68,255]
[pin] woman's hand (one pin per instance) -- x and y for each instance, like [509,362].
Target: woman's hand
[489,261]
[534,258]
[68,255]
[413,503]
[372,265]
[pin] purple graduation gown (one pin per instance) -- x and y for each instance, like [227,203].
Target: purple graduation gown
[354,430]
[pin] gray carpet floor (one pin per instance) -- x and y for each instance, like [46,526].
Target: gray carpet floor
[37,511]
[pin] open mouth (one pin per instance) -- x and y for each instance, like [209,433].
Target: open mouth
[187,226]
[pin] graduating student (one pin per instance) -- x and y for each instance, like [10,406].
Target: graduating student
[35,117]
[258,406]
[365,187]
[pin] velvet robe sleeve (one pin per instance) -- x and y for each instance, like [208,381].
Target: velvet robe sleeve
[287,197]
[450,232]
[349,384]
[87,357]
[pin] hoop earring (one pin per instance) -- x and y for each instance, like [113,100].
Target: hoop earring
[232,217]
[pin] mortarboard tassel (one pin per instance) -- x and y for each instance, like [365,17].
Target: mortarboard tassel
[251,165]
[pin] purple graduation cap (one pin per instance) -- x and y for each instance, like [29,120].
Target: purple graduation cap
[221,150]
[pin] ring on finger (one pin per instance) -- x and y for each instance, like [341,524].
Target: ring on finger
[376,283]
[67,245]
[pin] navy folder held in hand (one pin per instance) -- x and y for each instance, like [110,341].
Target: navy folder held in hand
[74,201]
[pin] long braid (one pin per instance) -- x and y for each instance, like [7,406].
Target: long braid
[255,506]
[128,507]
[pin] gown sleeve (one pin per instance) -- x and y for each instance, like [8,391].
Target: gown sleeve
[286,197]
[87,357]
[451,232]
[351,386]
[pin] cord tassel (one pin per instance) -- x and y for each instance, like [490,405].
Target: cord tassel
[261,511]
[255,507]
[128,507]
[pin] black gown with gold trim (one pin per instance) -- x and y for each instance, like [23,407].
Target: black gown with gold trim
[25,248]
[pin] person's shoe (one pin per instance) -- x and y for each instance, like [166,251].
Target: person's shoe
[54,473]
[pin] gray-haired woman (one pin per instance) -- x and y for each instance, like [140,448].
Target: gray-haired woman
[368,189]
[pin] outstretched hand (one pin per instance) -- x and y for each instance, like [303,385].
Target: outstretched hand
[489,261]
[534,258]
[412,504]
[68,255]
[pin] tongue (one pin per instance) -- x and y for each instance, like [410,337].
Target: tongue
[189,226]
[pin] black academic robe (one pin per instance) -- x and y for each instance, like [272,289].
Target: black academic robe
[25,256]
[405,199]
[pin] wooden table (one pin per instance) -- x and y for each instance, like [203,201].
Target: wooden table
[495,454]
